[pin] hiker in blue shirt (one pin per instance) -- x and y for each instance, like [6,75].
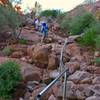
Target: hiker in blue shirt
[44,30]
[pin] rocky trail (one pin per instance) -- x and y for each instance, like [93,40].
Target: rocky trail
[40,64]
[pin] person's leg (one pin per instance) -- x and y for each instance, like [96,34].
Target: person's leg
[42,39]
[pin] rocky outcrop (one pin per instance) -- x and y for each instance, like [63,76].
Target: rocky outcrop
[52,62]
[72,66]
[73,49]
[40,56]
[81,77]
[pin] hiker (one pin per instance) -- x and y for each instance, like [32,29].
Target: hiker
[44,30]
[36,24]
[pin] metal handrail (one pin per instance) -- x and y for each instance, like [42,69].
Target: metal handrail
[65,73]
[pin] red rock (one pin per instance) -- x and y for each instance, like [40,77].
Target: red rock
[97,70]
[3,59]
[53,62]
[30,50]
[17,54]
[86,81]
[72,66]
[19,47]
[30,73]
[40,56]
[87,56]
[77,58]
[79,76]
[93,98]
[52,97]
[96,80]
[73,49]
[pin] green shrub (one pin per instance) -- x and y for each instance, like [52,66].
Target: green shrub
[81,22]
[7,51]
[89,37]
[52,13]
[10,18]
[23,41]
[97,60]
[66,23]
[10,77]
[97,42]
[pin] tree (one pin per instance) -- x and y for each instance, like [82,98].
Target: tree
[36,10]
[9,18]
[52,13]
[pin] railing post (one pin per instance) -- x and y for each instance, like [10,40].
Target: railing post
[64,88]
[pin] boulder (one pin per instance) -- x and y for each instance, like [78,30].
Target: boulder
[52,97]
[40,55]
[73,49]
[79,76]
[97,70]
[3,59]
[17,54]
[30,50]
[87,56]
[69,91]
[96,80]
[95,88]
[93,98]
[30,73]
[72,66]
[53,62]
[53,74]
[49,40]
[19,47]
[77,58]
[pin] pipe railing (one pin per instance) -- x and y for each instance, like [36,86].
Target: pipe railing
[65,73]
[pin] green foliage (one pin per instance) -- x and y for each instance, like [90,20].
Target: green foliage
[9,17]
[91,36]
[76,21]
[97,42]
[52,13]
[10,77]
[65,23]
[7,51]
[23,41]
[97,60]
[80,23]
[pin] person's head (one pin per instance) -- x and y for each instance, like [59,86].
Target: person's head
[44,24]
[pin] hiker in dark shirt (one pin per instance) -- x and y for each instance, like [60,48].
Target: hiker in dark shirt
[44,30]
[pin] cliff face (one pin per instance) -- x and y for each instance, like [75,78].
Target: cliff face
[93,7]
[81,9]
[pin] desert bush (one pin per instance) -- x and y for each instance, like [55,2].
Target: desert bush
[7,51]
[23,41]
[97,42]
[52,13]
[91,35]
[81,22]
[66,23]
[9,17]
[97,61]
[10,77]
